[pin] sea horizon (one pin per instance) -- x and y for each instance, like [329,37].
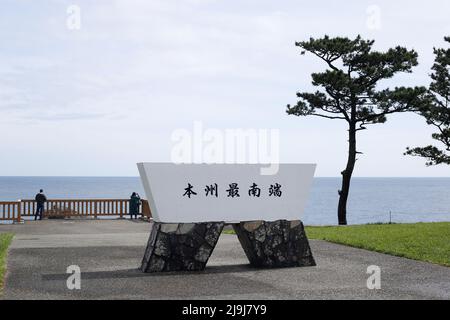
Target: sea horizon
[371,200]
[136,176]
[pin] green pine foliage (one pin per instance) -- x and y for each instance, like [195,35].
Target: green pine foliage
[437,114]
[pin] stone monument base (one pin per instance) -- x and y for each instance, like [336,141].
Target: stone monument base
[180,246]
[188,246]
[275,244]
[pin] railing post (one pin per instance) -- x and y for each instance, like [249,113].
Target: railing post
[19,211]
[146,209]
[121,209]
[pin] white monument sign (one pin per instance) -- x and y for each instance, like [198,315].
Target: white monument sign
[231,193]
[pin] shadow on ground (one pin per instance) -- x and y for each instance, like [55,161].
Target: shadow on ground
[136,273]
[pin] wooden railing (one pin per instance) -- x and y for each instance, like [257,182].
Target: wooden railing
[10,210]
[62,208]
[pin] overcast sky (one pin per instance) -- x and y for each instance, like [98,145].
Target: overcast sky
[96,100]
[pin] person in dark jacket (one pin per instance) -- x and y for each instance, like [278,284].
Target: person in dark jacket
[40,200]
[135,202]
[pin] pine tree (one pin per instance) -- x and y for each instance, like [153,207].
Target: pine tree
[437,113]
[348,91]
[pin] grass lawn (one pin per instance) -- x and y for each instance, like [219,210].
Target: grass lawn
[419,241]
[5,240]
[428,242]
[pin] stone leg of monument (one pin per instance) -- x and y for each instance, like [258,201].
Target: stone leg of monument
[180,246]
[275,244]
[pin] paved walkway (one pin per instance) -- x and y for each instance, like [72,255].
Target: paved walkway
[109,252]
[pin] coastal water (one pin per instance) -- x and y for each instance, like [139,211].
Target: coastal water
[371,200]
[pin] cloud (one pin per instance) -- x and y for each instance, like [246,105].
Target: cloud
[63,116]
[143,68]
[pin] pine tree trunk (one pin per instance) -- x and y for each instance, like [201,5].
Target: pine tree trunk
[347,175]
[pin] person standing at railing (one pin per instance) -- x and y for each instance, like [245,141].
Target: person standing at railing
[40,200]
[135,202]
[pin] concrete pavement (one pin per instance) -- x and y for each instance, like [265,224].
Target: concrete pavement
[109,252]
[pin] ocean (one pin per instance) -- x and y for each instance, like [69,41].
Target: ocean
[372,200]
